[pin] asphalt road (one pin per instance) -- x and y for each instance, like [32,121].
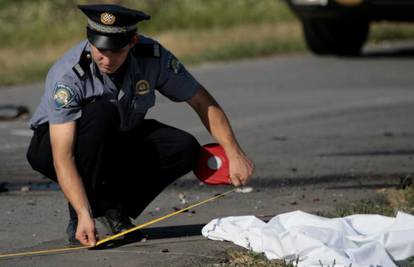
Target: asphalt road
[317,116]
[321,131]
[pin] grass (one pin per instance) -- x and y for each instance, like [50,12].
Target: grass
[242,41]
[386,31]
[388,202]
[35,33]
[238,258]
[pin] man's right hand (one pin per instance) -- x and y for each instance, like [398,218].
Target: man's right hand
[86,231]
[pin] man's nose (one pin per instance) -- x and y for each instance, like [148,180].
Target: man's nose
[106,59]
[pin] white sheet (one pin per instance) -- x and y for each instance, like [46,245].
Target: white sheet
[363,240]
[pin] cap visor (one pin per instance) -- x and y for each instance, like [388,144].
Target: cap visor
[109,41]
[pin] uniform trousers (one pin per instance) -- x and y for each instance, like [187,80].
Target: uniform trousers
[125,169]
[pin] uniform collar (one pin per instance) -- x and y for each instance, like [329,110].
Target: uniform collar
[94,68]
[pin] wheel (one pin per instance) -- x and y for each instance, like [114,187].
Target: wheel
[335,36]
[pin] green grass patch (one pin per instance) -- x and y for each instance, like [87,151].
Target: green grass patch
[25,74]
[391,31]
[35,33]
[238,258]
[44,22]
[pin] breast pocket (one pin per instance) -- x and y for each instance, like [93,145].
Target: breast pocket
[139,107]
[141,103]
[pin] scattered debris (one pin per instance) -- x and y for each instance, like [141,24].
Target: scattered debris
[182,198]
[405,182]
[12,112]
[25,188]
[244,189]
[279,138]
[178,208]
[31,202]
[3,187]
[381,190]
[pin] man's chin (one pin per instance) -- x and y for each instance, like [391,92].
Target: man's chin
[107,70]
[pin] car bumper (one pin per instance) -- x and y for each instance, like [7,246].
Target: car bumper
[398,10]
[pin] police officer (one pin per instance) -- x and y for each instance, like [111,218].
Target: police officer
[90,134]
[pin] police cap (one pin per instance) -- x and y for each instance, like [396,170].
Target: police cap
[111,26]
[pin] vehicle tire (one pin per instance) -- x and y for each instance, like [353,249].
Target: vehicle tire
[335,36]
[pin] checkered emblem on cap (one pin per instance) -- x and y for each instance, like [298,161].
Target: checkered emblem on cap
[108,18]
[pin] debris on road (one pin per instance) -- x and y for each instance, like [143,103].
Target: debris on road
[244,189]
[182,198]
[12,112]
[25,188]
[178,208]
[3,187]
[279,138]
[31,202]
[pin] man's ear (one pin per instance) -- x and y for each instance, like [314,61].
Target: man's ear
[134,40]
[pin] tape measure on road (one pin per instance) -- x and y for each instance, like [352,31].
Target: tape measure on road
[105,240]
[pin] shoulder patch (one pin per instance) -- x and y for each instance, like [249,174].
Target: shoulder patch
[63,95]
[147,50]
[174,64]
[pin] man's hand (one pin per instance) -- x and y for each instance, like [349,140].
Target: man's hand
[86,231]
[216,122]
[241,169]
[62,138]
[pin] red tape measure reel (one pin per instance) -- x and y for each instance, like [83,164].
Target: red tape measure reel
[213,165]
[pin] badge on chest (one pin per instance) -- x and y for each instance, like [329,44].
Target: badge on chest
[142,87]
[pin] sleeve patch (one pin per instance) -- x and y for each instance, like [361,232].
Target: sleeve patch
[174,64]
[63,95]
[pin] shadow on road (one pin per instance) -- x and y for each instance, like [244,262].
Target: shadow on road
[156,233]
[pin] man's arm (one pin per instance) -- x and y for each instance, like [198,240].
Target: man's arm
[216,122]
[62,138]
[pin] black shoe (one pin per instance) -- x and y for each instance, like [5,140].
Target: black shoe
[116,222]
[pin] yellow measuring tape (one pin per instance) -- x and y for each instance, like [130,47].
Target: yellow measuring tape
[100,242]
